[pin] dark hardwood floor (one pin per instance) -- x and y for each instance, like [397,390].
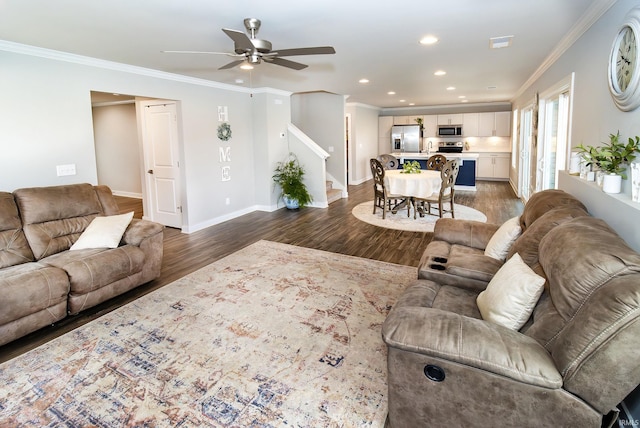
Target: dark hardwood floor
[333,229]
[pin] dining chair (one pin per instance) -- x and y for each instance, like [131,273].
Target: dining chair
[388,161]
[436,162]
[448,175]
[381,198]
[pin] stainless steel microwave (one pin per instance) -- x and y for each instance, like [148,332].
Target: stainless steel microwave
[450,130]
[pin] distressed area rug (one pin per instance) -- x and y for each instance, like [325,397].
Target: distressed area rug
[400,221]
[273,335]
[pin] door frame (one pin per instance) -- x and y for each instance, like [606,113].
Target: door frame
[144,157]
[566,85]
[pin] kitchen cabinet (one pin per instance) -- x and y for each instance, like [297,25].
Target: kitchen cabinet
[493,166]
[450,119]
[470,125]
[430,126]
[496,124]
[406,120]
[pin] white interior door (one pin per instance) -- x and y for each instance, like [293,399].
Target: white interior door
[162,163]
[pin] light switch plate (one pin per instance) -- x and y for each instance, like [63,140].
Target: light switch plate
[69,169]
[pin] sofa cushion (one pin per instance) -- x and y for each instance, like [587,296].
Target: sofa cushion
[91,269]
[29,288]
[544,201]
[511,295]
[54,217]
[428,294]
[527,244]
[103,232]
[501,241]
[14,248]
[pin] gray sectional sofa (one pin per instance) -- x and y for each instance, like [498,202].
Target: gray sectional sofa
[41,280]
[573,359]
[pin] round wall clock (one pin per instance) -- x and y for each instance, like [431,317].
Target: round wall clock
[624,64]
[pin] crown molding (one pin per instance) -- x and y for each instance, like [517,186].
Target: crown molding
[126,68]
[590,17]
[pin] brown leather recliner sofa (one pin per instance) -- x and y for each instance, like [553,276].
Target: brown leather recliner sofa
[570,364]
[41,281]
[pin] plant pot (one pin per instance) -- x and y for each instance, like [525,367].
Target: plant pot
[290,203]
[611,183]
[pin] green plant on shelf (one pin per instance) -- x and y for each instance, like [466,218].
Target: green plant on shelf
[612,157]
[411,167]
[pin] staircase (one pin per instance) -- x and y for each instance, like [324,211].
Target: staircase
[332,194]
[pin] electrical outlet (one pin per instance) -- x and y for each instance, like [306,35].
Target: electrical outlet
[227,201]
[69,169]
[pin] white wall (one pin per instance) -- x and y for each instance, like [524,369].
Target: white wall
[364,141]
[117,149]
[47,121]
[321,116]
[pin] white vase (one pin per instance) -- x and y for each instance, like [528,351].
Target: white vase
[611,183]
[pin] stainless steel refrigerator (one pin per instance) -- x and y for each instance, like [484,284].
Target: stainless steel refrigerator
[405,138]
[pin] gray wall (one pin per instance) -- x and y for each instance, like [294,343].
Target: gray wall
[595,116]
[47,121]
[115,132]
[321,115]
[364,141]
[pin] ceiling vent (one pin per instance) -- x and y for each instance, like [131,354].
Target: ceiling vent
[500,42]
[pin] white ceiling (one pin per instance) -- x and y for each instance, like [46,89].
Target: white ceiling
[373,40]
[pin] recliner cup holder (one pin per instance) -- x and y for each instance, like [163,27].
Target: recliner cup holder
[437,266]
[440,259]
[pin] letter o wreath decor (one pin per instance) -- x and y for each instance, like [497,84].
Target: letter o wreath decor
[224,132]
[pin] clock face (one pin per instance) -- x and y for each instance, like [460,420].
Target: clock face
[624,63]
[626,58]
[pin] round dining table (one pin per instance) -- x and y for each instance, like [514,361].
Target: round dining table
[418,185]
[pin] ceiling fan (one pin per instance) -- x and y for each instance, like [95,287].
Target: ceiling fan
[250,50]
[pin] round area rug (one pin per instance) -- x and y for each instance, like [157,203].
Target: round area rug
[400,221]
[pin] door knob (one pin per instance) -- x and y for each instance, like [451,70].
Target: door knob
[150,171]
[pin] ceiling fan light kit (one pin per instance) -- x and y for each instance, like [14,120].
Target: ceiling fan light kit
[251,51]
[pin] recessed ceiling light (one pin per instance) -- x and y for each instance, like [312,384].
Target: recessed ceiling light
[363,80]
[412,104]
[462,96]
[500,42]
[391,93]
[464,101]
[440,73]
[403,101]
[428,40]
[451,88]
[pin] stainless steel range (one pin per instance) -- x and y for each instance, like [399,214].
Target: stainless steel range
[450,146]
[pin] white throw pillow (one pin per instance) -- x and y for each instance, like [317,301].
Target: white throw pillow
[104,232]
[511,295]
[501,241]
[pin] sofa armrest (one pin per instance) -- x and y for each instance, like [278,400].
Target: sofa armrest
[464,232]
[471,342]
[139,230]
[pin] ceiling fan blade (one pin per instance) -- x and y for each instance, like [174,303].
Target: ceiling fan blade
[204,52]
[240,39]
[285,63]
[319,50]
[231,64]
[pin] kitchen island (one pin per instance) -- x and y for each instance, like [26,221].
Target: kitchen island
[466,176]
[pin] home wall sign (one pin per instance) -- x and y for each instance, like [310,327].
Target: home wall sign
[225,158]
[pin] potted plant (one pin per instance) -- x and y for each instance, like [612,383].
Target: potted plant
[612,158]
[288,175]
